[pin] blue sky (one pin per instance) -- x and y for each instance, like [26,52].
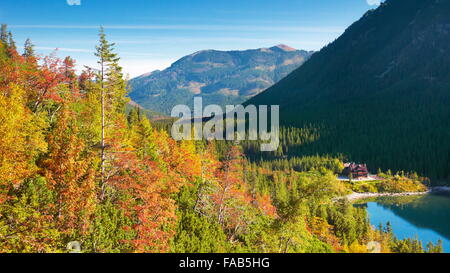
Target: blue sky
[152,34]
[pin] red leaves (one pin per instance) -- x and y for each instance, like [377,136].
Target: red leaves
[147,190]
[233,196]
[264,203]
[52,74]
[52,80]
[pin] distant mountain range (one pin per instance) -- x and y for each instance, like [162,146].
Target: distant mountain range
[152,115]
[220,77]
[380,93]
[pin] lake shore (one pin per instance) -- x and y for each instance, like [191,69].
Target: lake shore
[357,196]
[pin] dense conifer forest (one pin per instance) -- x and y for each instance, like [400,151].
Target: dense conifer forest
[379,94]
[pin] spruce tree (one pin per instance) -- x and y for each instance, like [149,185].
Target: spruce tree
[113,91]
[11,42]
[28,49]
[105,55]
[4,34]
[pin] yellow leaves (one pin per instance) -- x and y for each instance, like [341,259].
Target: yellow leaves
[180,158]
[324,232]
[355,247]
[21,138]
[141,137]
[398,184]
[71,172]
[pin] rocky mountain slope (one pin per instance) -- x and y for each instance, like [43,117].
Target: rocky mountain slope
[220,77]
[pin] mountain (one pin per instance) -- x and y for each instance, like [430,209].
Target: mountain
[378,94]
[151,115]
[220,77]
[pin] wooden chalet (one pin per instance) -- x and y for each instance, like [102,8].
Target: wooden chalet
[356,170]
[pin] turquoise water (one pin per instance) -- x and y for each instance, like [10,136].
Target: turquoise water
[426,217]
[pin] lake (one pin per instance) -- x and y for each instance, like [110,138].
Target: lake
[427,217]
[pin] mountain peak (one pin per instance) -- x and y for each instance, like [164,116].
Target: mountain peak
[221,77]
[284,48]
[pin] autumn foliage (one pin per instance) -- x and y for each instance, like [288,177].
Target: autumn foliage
[55,185]
[78,164]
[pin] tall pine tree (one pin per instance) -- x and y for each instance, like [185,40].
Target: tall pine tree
[28,49]
[106,57]
[112,96]
[4,34]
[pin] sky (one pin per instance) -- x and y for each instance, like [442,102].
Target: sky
[152,34]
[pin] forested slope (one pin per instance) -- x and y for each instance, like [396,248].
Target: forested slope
[380,93]
[220,77]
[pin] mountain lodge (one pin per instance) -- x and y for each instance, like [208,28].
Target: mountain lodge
[356,170]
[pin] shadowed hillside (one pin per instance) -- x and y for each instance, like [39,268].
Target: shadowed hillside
[380,93]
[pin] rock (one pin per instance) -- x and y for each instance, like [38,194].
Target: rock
[374,247]
[74,247]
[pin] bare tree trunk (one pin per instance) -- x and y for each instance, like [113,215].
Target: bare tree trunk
[287,246]
[200,189]
[103,126]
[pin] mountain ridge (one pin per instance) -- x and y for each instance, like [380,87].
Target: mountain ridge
[220,77]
